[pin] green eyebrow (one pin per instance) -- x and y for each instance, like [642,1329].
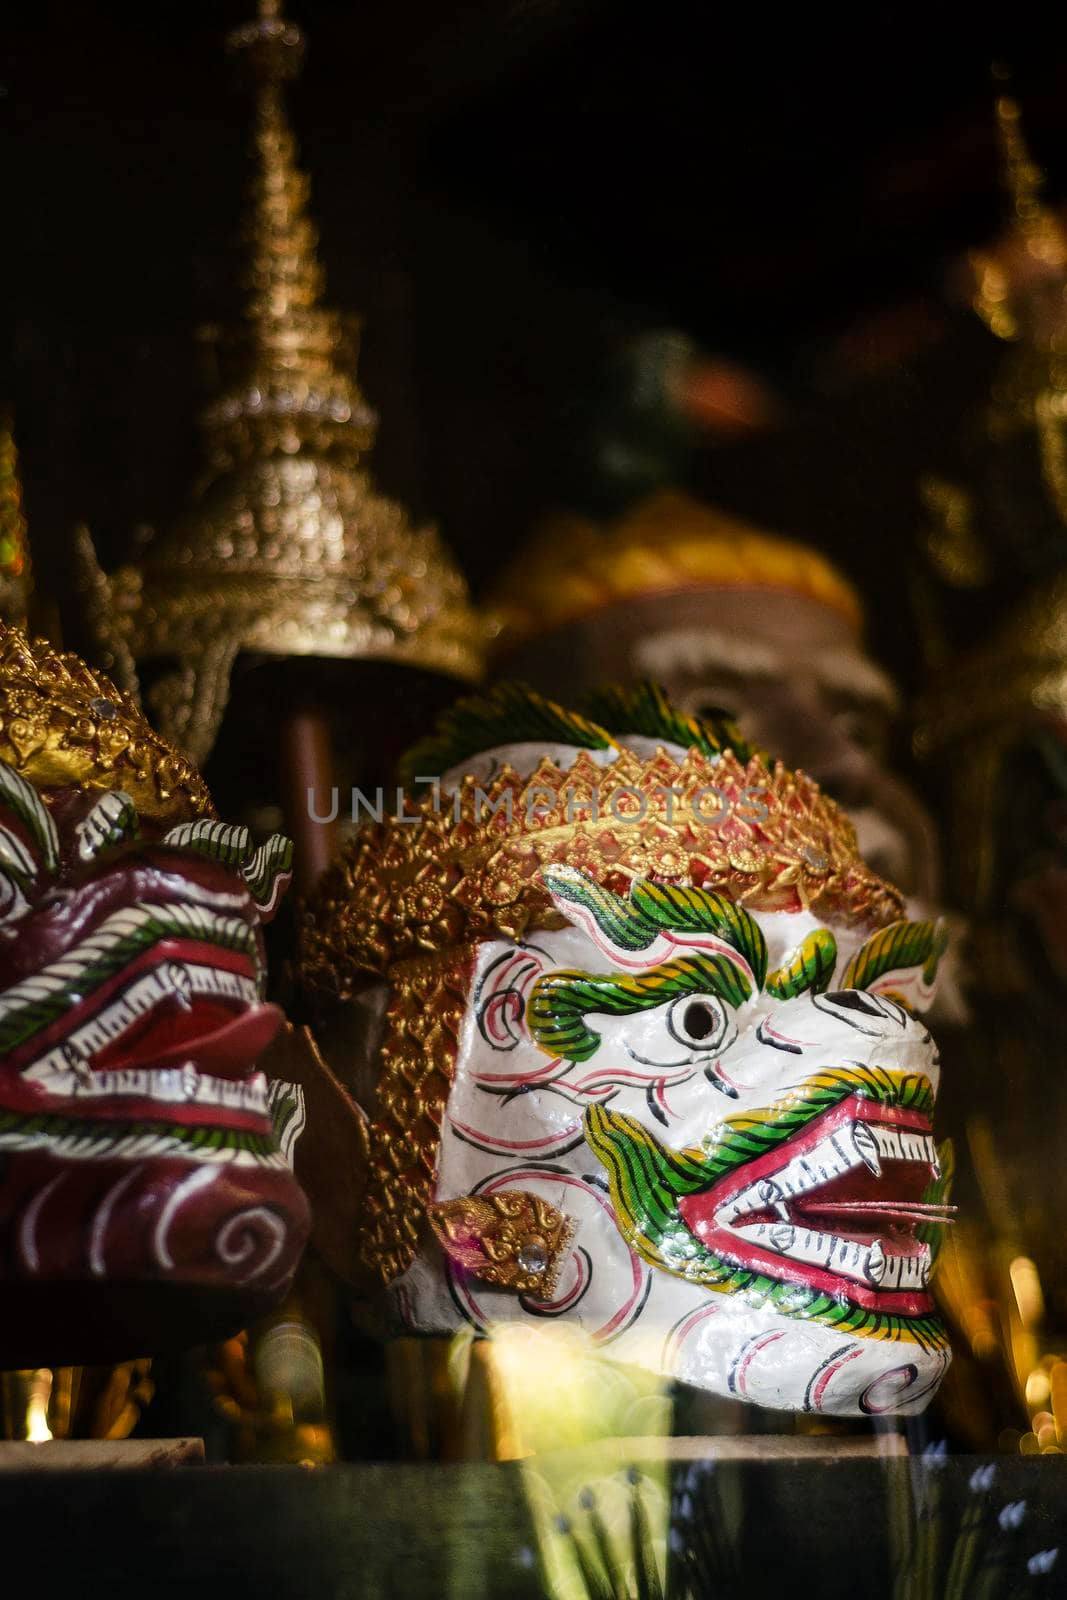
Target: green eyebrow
[893,949]
[560,1001]
[810,967]
[634,922]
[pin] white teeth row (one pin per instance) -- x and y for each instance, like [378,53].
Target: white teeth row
[848,1258]
[99,1147]
[162,983]
[898,1145]
[848,1147]
[167,1086]
[898,1272]
[830,1158]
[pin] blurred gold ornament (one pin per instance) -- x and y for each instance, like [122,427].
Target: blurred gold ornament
[269,1384]
[62,724]
[668,543]
[994,719]
[1021,295]
[16,578]
[1001,294]
[44,1403]
[1020,670]
[289,550]
[951,540]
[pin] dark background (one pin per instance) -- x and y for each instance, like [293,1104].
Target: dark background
[505,189]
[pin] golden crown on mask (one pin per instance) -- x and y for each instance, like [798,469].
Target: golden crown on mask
[467,865]
[665,544]
[62,724]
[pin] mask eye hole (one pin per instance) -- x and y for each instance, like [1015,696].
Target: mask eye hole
[697,1021]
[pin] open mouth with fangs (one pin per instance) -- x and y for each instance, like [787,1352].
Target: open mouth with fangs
[840,1207]
[156,1015]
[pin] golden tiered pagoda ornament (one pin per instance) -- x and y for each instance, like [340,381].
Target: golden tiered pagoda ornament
[289,550]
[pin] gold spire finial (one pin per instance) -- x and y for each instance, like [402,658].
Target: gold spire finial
[290,549]
[292,365]
[15,573]
[1001,294]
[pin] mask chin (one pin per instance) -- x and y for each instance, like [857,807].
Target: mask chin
[771,1360]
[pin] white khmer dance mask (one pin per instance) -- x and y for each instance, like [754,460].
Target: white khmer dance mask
[651,1060]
